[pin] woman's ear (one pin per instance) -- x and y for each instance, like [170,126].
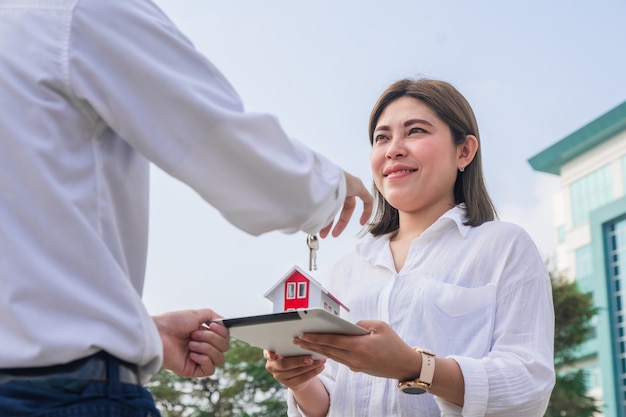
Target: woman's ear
[467,151]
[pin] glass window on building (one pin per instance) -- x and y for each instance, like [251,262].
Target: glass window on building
[594,377]
[624,174]
[560,234]
[584,263]
[590,192]
[616,257]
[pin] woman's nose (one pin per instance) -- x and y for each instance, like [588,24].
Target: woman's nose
[395,150]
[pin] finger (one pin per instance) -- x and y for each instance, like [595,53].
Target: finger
[204,361]
[344,217]
[291,363]
[314,347]
[327,345]
[204,340]
[271,356]
[293,381]
[329,339]
[372,326]
[282,374]
[206,314]
[324,232]
[368,206]
[210,354]
[218,328]
[355,188]
[215,336]
[204,365]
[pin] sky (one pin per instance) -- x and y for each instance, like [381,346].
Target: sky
[533,71]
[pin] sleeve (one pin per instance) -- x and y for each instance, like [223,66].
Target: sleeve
[328,379]
[146,81]
[292,406]
[517,376]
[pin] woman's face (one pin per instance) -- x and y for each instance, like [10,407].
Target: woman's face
[413,159]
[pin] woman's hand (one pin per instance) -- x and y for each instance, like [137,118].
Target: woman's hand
[299,374]
[379,353]
[294,372]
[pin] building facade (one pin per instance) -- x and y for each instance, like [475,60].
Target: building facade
[590,225]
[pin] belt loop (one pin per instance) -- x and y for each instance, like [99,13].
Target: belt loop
[115,389]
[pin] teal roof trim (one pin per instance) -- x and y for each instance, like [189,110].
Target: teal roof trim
[600,130]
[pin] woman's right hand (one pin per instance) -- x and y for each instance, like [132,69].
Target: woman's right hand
[294,372]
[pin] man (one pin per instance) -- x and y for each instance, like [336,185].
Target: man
[91,92]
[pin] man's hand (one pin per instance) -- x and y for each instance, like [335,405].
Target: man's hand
[190,347]
[354,189]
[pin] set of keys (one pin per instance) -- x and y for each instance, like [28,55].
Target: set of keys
[314,245]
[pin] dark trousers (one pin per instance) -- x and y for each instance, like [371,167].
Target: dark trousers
[84,391]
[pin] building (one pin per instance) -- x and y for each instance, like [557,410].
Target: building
[298,290]
[590,225]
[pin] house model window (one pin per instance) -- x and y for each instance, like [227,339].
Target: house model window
[302,293]
[298,290]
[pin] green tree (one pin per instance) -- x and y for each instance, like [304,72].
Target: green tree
[241,388]
[574,311]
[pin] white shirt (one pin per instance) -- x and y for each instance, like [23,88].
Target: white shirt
[90,91]
[480,295]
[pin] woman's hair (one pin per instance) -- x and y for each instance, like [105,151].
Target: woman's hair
[453,109]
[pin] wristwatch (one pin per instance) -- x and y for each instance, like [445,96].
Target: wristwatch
[421,384]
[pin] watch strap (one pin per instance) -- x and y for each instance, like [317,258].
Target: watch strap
[421,384]
[428,367]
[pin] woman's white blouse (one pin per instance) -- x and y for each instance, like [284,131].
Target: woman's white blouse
[479,295]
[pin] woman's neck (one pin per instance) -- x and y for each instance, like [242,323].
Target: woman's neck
[413,224]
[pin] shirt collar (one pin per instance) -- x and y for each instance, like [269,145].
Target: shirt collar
[456,214]
[374,247]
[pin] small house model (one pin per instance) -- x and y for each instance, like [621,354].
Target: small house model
[298,290]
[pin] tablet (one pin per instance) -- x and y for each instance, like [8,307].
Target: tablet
[275,332]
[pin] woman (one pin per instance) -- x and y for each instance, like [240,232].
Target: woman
[458,304]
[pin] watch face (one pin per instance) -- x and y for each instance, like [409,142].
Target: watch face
[413,390]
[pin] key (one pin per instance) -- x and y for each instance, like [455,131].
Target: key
[314,245]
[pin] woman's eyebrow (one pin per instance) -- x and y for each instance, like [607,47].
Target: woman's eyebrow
[417,121]
[406,123]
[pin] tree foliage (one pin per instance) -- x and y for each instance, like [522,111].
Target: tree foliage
[573,313]
[569,397]
[241,388]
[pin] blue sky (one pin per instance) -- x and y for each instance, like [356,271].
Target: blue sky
[534,72]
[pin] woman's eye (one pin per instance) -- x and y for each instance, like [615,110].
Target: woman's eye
[416,130]
[379,138]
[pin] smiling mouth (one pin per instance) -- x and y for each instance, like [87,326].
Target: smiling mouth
[401,171]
